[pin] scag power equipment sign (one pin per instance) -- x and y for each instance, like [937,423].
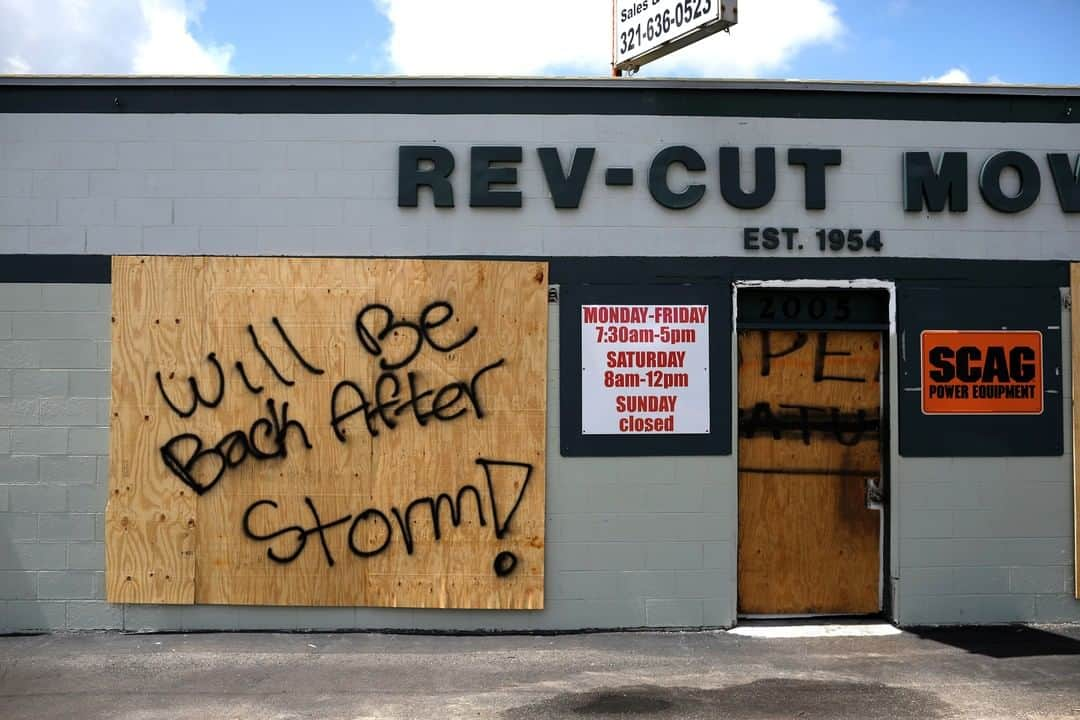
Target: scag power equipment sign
[978,373]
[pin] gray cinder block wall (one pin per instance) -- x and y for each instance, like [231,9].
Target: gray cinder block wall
[54,404]
[631,543]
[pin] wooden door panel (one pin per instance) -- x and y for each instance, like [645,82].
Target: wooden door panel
[809,436]
[811,554]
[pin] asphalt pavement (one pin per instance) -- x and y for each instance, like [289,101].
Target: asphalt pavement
[1016,672]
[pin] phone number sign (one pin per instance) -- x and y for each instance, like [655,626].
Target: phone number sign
[645,30]
[644,369]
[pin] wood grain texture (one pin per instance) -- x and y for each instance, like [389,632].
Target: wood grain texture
[809,436]
[362,485]
[1075,359]
[150,518]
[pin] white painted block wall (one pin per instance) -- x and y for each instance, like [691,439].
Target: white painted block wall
[632,542]
[327,185]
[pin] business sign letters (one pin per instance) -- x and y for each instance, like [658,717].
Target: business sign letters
[976,373]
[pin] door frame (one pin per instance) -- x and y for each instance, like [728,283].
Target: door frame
[889,438]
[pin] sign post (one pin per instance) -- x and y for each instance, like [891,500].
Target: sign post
[646,30]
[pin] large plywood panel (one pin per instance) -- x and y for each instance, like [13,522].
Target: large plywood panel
[809,437]
[379,440]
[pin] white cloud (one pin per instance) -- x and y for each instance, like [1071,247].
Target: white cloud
[106,36]
[954,76]
[959,76]
[15,64]
[169,48]
[500,37]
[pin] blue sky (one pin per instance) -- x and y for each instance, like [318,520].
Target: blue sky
[895,40]
[326,38]
[1018,42]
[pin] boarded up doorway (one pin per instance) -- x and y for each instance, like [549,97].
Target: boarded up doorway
[810,452]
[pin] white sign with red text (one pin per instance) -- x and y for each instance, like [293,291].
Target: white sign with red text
[644,369]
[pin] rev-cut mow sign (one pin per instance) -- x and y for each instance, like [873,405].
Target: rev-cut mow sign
[327,432]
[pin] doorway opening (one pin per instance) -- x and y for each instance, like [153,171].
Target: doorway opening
[812,448]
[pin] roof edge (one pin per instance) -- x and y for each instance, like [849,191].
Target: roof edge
[517,82]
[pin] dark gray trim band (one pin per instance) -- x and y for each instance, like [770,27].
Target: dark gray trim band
[915,272]
[566,97]
[94,269]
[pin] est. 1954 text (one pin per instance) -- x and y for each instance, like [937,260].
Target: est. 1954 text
[824,240]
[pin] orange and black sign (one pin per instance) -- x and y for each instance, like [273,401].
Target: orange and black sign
[982,372]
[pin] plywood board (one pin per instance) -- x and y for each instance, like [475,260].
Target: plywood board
[809,437]
[1075,357]
[150,528]
[383,444]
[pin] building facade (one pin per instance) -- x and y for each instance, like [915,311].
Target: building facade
[808,346]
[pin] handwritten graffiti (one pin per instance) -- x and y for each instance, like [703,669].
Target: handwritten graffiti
[821,354]
[301,532]
[292,348]
[421,331]
[396,342]
[767,354]
[199,399]
[846,428]
[203,468]
[266,358]
[373,522]
[386,402]
[252,388]
[808,357]
[447,403]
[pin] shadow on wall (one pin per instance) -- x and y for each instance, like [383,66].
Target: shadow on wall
[1001,641]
